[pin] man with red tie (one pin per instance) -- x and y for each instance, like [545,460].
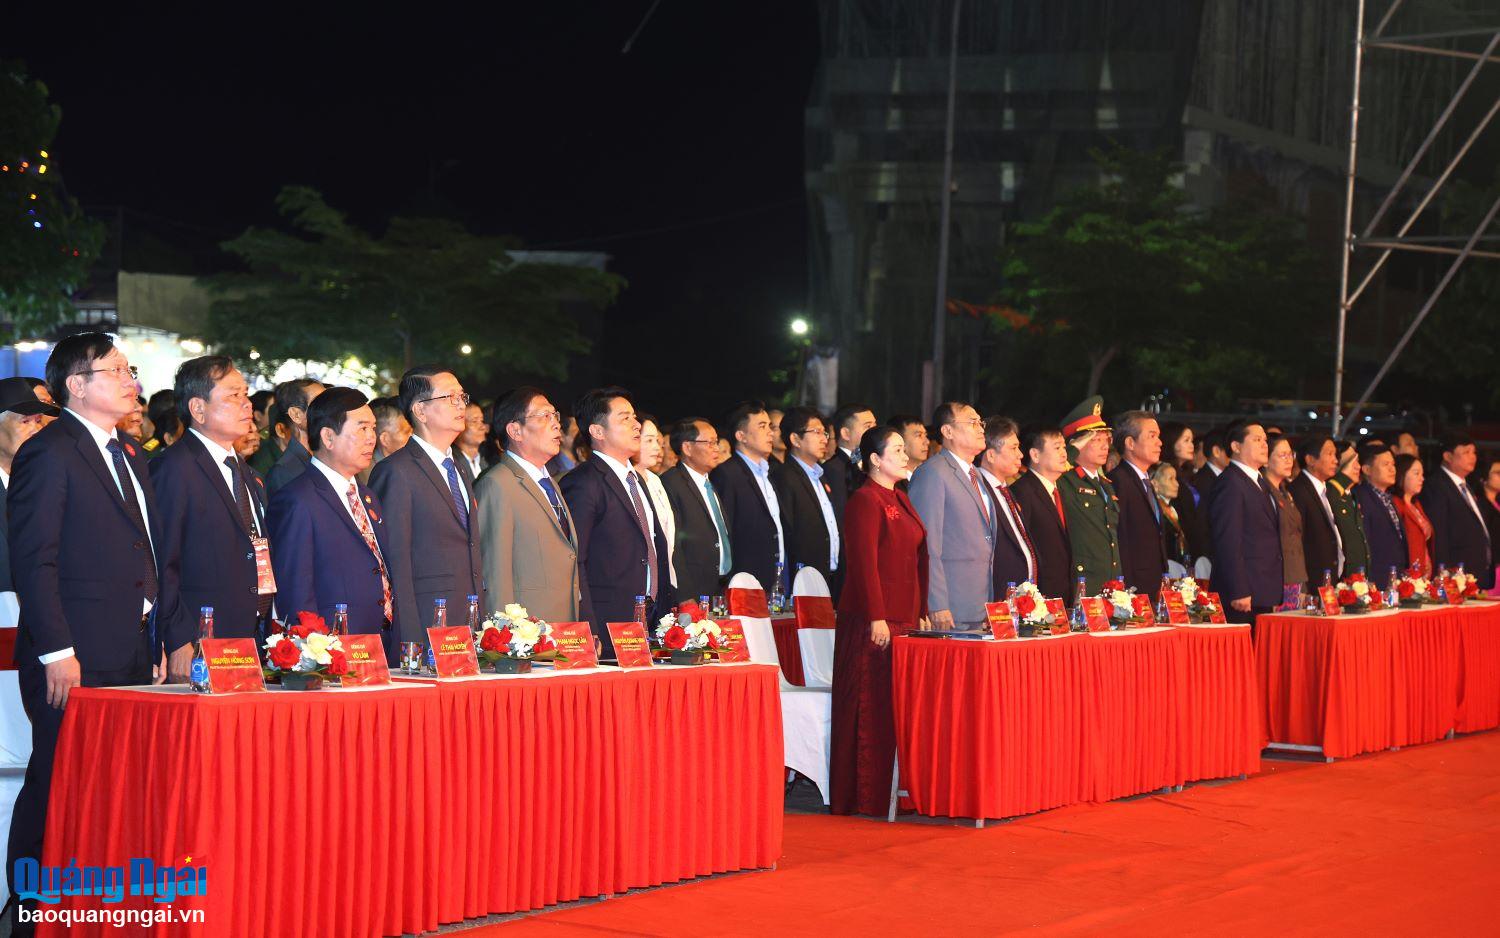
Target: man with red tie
[1015,554]
[1042,509]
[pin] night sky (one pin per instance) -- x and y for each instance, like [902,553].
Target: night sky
[523,119]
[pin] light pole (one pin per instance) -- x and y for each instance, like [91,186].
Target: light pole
[933,392]
[800,328]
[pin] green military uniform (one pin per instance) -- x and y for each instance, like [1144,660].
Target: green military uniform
[1090,507]
[1351,526]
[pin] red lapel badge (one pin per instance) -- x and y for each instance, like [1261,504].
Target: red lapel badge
[130,449]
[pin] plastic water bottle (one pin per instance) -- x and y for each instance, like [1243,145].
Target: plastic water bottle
[708,610]
[640,609]
[1077,621]
[778,594]
[1161,600]
[473,612]
[1392,595]
[1328,577]
[440,613]
[1010,590]
[341,618]
[198,670]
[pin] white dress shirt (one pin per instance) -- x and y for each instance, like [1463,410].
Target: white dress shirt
[815,476]
[1014,522]
[341,485]
[664,517]
[761,470]
[715,510]
[476,464]
[1466,496]
[533,472]
[437,456]
[623,472]
[1321,487]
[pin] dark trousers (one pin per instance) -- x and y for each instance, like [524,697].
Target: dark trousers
[29,820]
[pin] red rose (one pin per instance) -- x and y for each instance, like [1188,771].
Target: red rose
[1472,589]
[490,640]
[543,645]
[675,638]
[284,655]
[276,628]
[1348,597]
[308,623]
[1432,588]
[1356,578]
[1404,589]
[505,637]
[1113,585]
[695,612]
[337,663]
[1025,605]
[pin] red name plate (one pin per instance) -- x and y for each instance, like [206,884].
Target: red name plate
[1059,616]
[1177,613]
[1329,597]
[1217,616]
[575,645]
[1140,605]
[367,665]
[233,665]
[748,603]
[453,651]
[631,647]
[734,648]
[998,616]
[1096,613]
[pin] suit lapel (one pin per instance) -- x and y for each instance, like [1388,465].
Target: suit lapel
[95,460]
[419,456]
[532,489]
[336,501]
[215,476]
[968,486]
[613,483]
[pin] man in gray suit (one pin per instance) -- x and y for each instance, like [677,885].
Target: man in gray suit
[949,496]
[432,547]
[529,544]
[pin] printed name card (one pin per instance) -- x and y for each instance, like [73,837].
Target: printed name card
[999,618]
[575,646]
[1217,616]
[748,603]
[233,665]
[1177,613]
[453,651]
[734,648]
[1329,597]
[1140,605]
[1059,615]
[367,664]
[1096,614]
[631,648]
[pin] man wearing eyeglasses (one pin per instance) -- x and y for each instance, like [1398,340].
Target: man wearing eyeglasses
[703,557]
[948,493]
[807,516]
[83,529]
[428,497]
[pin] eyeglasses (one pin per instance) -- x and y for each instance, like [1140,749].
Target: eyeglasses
[546,416]
[708,442]
[459,399]
[823,433]
[976,422]
[119,371]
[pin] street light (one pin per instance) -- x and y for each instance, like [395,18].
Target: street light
[466,348]
[799,326]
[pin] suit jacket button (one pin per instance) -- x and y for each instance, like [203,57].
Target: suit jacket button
[254,591]
[140,545]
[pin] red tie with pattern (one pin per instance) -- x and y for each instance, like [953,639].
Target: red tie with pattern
[984,508]
[362,520]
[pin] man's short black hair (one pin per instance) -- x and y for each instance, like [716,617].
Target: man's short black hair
[416,386]
[1131,424]
[162,403]
[1035,438]
[261,400]
[74,355]
[843,418]
[511,408]
[593,408]
[1311,447]
[900,422]
[330,410]
[740,415]
[1238,432]
[196,377]
[795,421]
[997,428]
[945,414]
[1216,439]
[386,411]
[685,431]
[291,394]
[1370,451]
[1453,440]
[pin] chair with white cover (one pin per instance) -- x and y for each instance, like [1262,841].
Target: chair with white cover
[815,632]
[806,712]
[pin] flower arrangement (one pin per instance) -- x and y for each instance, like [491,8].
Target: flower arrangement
[1121,601]
[1461,584]
[689,635]
[1030,609]
[1190,591]
[1354,593]
[1413,590]
[513,638]
[305,655]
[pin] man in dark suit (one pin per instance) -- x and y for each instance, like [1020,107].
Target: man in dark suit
[751,507]
[22,415]
[621,549]
[1459,535]
[807,516]
[213,515]
[1377,508]
[1246,530]
[1216,460]
[702,557]
[1143,550]
[292,400]
[428,497]
[82,535]
[1042,509]
[1321,544]
[329,530]
[844,465]
[1015,552]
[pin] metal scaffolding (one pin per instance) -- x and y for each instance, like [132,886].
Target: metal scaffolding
[1460,246]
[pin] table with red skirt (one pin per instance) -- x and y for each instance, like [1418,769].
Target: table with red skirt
[994,729]
[1350,684]
[383,811]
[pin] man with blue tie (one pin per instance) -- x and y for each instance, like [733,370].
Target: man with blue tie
[621,549]
[428,497]
[1246,529]
[749,501]
[703,557]
[1143,550]
[213,516]
[329,530]
[527,538]
[83,534]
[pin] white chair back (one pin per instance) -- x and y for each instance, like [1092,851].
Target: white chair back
[758,635]
[815,644]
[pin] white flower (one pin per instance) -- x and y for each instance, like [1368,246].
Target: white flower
[524,632]
[316,647]
[1121,601]
[514,611]
[1361,588]
[1189,589]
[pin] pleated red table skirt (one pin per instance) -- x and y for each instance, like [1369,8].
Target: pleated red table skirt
[1354,684]
[383,812]
[999,729]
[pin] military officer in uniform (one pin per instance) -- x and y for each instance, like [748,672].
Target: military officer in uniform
[1088,499]
[1346,512]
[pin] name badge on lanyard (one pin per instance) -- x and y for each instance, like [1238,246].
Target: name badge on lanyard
[265,579]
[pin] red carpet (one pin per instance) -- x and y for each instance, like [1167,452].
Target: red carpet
[1395,843]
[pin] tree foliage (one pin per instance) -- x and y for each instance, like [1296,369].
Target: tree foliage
[46,243]
[328,290]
